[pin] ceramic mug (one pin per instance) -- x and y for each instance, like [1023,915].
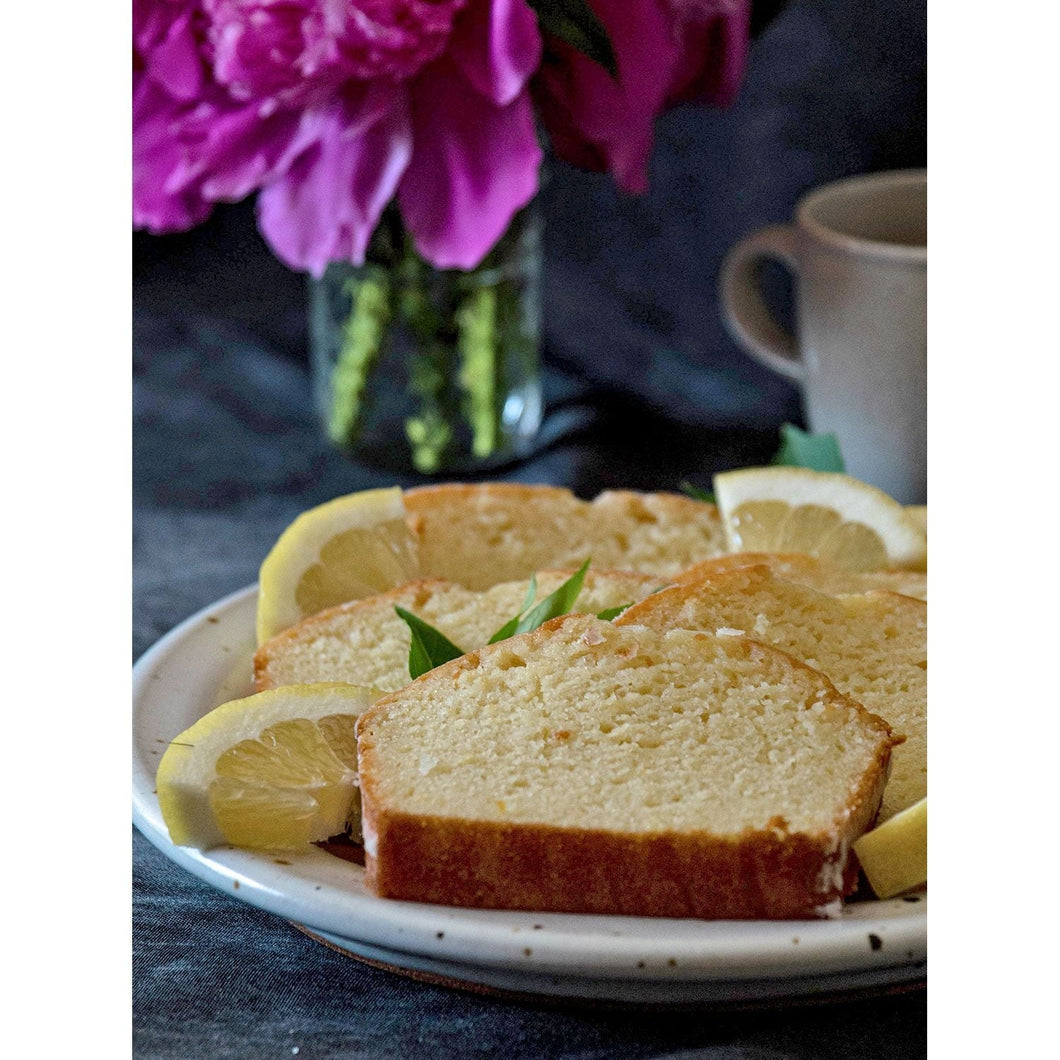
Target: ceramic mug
[858,252]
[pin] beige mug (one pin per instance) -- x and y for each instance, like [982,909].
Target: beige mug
[858,252]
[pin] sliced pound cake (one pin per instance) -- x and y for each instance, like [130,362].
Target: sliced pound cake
[366,643]
[873,646]
[591,768]
[816,573]
[480,535]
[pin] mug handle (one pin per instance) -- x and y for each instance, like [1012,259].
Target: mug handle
[747,316]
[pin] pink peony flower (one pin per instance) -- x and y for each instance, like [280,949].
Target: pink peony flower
[331,109]
[668,52]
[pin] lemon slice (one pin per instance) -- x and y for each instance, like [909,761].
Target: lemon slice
[824,514]
[918,513]
[894,855]
[277,770]
[349,548]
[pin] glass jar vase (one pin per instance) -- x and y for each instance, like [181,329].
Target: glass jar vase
[425,369]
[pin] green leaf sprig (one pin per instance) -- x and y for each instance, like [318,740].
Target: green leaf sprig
[555,604]
[508,629]
[697,493]
[429,648]
[819,452]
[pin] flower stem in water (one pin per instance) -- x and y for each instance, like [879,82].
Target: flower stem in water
[363,337]
[477,343]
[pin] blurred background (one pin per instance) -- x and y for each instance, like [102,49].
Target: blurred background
[645,388]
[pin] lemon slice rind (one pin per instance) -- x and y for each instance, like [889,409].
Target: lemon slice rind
[893,855]
[189,765]
[918,514]
[855,502]
[304,541]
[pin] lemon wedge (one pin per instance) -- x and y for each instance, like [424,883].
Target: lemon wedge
[346,549]
[894,855]
[276,771]
[824,514]
[918,514]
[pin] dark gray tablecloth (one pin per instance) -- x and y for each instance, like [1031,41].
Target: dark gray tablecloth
[645,391]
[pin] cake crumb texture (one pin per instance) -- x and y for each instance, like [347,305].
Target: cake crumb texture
[873,647]
[591,767]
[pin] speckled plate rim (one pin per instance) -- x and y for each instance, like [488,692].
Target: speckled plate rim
[206,660]
[513,984]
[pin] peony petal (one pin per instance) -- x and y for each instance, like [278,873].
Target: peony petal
[474,165]
[498,46]
[243,150]
[164,35]
[668,51]
[617,118]
[158,205]
[714,37]
[326,205]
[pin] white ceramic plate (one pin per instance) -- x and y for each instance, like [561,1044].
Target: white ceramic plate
[207,660]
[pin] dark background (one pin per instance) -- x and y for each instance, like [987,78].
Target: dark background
[652,391]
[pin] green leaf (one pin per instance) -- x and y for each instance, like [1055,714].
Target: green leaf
[531,593]
[508,629]
[575,22]
[613,612]
[428,648]
[555,604]
[819,452]
[697,493]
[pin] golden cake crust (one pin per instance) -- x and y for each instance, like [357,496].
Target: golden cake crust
[772,872]
[807,570]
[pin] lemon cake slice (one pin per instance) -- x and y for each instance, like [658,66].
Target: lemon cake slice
[818,574]
[591,768]
[480,535]
[366,643]
[873,646]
